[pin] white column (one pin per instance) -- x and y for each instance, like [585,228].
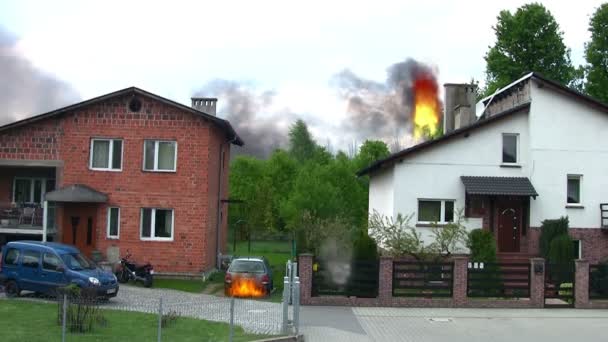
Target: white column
[45,213]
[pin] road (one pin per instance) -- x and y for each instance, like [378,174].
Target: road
[454,325]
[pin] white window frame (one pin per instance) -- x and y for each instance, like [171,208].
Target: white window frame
[502,148]
[441,213]
[153,225]
[155,169]
[110,155]
[580,249]
[108,235]
[32,180]
[579,177]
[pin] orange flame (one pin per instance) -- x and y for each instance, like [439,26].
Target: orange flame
[426,111]
[245,287]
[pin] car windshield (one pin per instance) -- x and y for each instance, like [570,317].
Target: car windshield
[247,266]
[77,261]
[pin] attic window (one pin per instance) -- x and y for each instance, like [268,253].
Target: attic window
[135,105]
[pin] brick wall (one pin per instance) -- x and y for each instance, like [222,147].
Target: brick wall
[191,191]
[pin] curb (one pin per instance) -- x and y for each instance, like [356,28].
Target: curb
[299,338]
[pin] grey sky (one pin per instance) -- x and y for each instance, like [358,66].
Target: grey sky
[175,48]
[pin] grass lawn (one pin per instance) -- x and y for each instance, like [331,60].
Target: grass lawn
[32,322]
[187,285]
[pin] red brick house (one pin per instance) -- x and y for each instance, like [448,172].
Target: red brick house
[129,170]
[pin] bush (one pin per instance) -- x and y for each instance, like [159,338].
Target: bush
[561,250]
[482,245]
[549,230]
[365,247]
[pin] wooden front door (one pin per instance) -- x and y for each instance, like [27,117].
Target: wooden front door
[509,225]
[79,228]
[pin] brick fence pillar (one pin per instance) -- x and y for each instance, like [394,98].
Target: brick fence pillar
[305,272]
[459,294]
[581,284]
[385,280]
[537,282]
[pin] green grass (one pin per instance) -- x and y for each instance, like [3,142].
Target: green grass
[32,322]
[186,285]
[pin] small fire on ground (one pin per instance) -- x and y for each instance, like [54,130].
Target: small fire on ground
[245,287]
[426,106]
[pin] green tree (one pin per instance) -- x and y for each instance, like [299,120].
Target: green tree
[529,40]
[301,144]
[369,152]
[596,53]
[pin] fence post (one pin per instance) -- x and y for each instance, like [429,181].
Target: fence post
[286,290]
[64,316]
[581,284]
[459,287]
[537,282]
[306,271]
[296,304]
[231,337]
[160,319]
[385,280]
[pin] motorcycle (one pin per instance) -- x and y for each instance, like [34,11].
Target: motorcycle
[131,271]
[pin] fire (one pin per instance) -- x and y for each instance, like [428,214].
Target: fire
[426,111]
[245,287]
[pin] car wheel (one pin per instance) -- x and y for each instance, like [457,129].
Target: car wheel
[148,280]
[12,289]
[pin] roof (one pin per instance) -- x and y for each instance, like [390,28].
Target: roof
[502,186]
[408,151]
[53,245]
[223,124]
[76,193]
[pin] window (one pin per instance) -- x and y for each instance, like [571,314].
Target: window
[31,190]
[509,148]
[106,154]
[12,255]
[30,259]
[113,223]
[574,189]
[440,211]
[160,155]
[50,262]
[156,224]
[578,249]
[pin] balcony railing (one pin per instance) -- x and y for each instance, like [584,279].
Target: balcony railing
[604,215]
[25,220]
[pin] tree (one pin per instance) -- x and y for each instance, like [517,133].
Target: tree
[596,53]
[301,144]
[370,151]
[529,40]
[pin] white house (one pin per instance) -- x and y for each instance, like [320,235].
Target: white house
[538,151]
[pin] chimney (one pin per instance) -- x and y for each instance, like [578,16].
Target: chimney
[207,105]
[460,101]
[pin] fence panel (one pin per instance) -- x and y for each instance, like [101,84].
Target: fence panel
[422,279]
[500,280]
[357,278]
[598,281]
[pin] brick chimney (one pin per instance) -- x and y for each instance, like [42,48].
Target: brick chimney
[205,104]
[460,101]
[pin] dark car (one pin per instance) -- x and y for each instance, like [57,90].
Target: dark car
[248,277]
[42,267]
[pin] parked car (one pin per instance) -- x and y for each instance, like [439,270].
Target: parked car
[248,277]
[42,267]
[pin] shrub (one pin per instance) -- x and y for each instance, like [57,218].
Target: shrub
[549,230]
[365,247]
[561,250]
[482,245]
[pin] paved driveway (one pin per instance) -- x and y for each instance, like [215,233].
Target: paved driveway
[467,325]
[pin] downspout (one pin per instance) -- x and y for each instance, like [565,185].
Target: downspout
[219,204]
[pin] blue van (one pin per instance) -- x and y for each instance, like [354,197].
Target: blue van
[44,266]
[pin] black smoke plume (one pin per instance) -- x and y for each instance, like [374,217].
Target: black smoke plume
[25,90]
[382,110]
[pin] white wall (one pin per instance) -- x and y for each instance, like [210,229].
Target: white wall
[568,137]
[381,192]
[435,173]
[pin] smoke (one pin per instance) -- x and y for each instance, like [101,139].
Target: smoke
[382,110]
[254,115]
[25,90]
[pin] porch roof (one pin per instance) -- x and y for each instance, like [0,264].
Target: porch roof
[501,186]
[76,193]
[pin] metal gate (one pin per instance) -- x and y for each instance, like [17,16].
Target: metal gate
[559,285]
[357,278]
